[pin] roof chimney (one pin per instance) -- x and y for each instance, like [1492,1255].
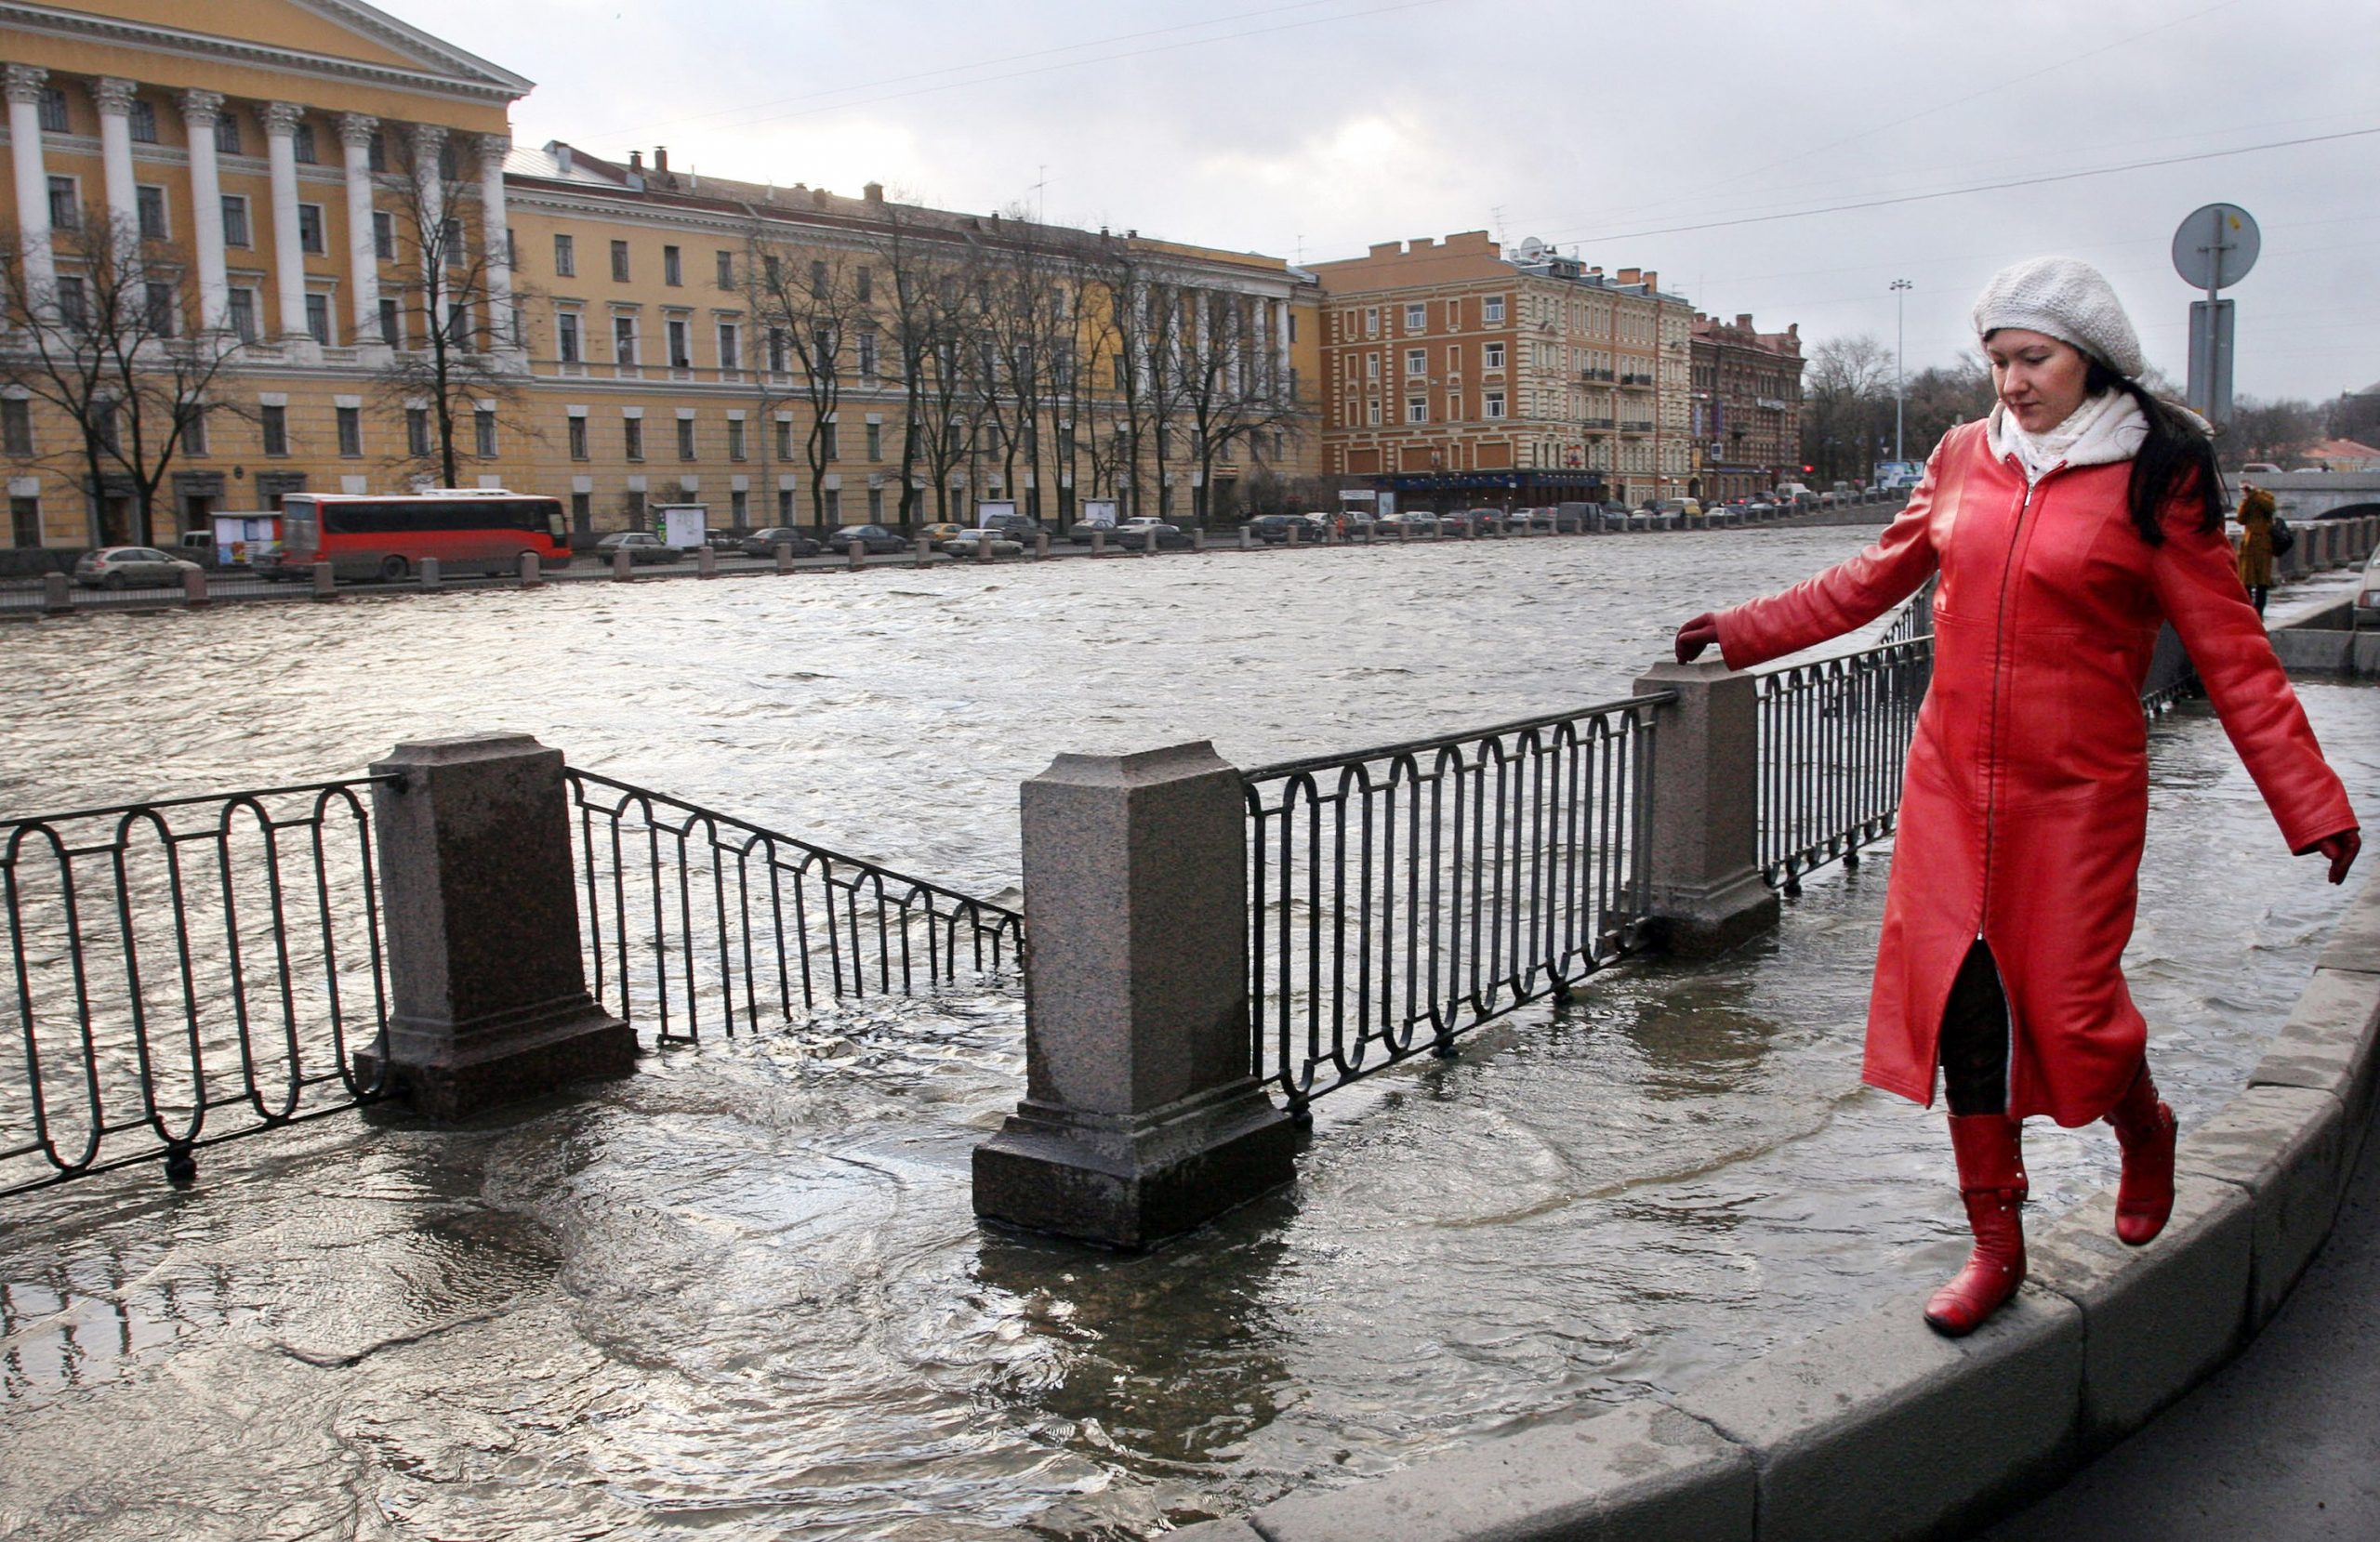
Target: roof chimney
[562,157]
[636,160]
[661,160]
[1652,279]
[1744,319]
[874,192]
[1631,275]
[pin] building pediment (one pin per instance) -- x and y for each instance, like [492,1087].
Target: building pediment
[321,38]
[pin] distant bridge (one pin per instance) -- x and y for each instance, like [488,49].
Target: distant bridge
[2319,495]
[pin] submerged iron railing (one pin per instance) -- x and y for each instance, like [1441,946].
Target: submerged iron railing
[692,919]
[1834,735]
[184,972]
[1400,897]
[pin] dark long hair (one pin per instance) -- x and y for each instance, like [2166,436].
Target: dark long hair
[2175,463]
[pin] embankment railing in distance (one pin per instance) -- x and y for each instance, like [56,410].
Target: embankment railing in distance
[1402,896]
[1834,735]
[183,973]
[694,920]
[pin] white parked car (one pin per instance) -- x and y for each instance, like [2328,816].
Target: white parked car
[129,568]
[2367,595]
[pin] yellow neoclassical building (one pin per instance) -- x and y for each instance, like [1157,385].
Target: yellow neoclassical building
[326,267]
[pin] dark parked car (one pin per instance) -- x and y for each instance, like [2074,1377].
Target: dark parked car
[1274,529]
[1170,537]
[1024,529]
[868,538]
[642,545]
[764,543]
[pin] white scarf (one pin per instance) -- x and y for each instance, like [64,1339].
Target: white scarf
[2106,428]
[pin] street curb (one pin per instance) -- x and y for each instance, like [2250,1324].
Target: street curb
[1877,1428]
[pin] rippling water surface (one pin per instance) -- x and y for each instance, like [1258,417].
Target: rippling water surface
[742,1291]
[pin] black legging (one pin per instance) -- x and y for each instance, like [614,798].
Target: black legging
[1975,1038]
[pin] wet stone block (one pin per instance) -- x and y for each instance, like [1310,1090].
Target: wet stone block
[1645,1473]
[2286,1146]
[2327,1045]
[2355,942]
[2155,1318]
[1218,1531]
[1880,1429]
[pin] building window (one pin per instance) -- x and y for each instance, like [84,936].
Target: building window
[785,439]
[566,336]
[776,350]
[735,439]
[624,339]
[727,270]
[672,273]
[309,228]
[240,314]
[301,144]
[276,429]
[1491,310]
[1293,327]
[1416,361]
[578,437]
[867,355]
[680,355]
[739,508]
[483,431]
[318,318]
[834,505]
[418,430]
[1417,409]
[74,307]
[227,134]
[236,220]
[731,347]
[830,439]
[157,297]
[1492,356]
[619,262]
[16,429]
[384,235]
[351,432]
[875,442]
[150,203]
[565,258]
[391,329]
[876,506]
[1371,413]
[459,323]
[1417,318]
[685,439]
[24,521]
[1495,404]
[53,110]
[65,206]
[785,506]
[1371,321]
[632,437]
[376,152]
[450,243]
[867,285]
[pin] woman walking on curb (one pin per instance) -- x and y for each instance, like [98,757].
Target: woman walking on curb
[2257,509]
[2065,527]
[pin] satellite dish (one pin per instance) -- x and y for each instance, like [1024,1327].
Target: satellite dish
[1532,248]
[2215,246]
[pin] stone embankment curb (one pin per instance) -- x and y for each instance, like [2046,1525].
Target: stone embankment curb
[1878,1429]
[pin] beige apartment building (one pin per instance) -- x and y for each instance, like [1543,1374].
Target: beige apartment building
[317,198]
[1452,374]
[1747,405]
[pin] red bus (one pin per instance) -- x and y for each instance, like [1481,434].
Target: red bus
[363,536]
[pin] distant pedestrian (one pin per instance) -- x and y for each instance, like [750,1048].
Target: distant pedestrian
[2067,527]
[2256,511]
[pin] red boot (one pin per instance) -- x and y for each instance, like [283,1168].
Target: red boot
[1992,1180]
[2145,1130]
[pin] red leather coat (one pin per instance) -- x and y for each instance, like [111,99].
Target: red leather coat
[2026,797]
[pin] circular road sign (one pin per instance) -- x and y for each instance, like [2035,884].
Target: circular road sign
[2215,246]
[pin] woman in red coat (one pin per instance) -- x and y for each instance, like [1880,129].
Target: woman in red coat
[2081,515]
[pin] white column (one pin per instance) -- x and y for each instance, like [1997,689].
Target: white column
[496,235]
[199,111]
[24,84]
[355,134]
[281,120]
[1281,332]
[113,98]
[429,194]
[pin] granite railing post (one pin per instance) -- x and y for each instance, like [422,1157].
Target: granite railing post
[194,587]
[1139,1118]
[1098,540]
[855,555]
[622,565]
[1247,540]
[1040,545]
[707,563]
[783,551]
[922,551]
[428,573]
[532,572]
[56,594]
[487,990]
[1707,893]
[325,581]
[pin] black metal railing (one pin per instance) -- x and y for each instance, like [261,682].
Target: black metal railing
[694,920]
[1400,897]
[184,972]
[2172,677]
[1834,735]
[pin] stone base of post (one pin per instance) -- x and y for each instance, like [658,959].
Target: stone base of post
[783,550]
[1703,857]
[325,581]
[488,1000]
[532,572]
[707,563]
[1099,542]
[855,555]
[1140,1119]
[195,587]
[622,566]
[923,552]
[56,594]
[1040,545]
[430,574]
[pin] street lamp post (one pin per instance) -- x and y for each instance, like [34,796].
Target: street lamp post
[1900,360]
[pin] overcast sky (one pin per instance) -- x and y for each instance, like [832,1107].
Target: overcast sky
[1654,136]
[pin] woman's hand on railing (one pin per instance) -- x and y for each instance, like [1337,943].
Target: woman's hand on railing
[1697,634]
[2339,851]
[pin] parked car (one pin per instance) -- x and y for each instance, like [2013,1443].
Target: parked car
[1411,522]
[642,545]
[130,568]
[764,543]
[868,538]
[969,544]
[1082,531]
[2367,595]
[1024,529]
[938,532]
[1170,537]
[1274,529]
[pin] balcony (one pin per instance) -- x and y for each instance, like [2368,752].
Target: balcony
[1604,374]
[1635,426]
[1605,423]
[1636,382]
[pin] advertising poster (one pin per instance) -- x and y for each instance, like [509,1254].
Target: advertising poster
[990,514]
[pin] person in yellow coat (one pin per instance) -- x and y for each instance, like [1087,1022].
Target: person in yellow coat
[2256,509]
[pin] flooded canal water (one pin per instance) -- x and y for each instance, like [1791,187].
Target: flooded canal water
[741,1293]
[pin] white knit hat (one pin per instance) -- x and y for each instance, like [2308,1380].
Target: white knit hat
[2064,298]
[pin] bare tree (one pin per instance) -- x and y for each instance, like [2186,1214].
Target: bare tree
[455,361]
[915,319]
[106,345]
[1229,390]
[814,296]
[2272,431]
[1846,400]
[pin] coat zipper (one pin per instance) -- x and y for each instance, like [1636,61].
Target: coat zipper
[1992,717]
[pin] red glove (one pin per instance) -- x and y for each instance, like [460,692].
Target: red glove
[1699,634]
[2340,851]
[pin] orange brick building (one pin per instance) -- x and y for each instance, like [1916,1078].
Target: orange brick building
[1747,405]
